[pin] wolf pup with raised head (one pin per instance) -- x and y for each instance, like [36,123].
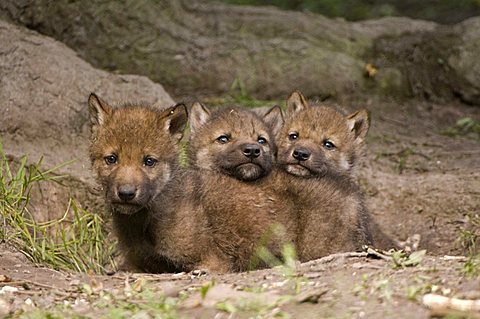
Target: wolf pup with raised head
[135,152]
[318,148]
[234,151]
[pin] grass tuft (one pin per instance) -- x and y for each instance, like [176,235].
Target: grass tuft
[469,239]
[465,126]
[239,95]
[76,241]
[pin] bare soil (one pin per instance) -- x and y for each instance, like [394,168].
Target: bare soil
[416,181]
[337,286]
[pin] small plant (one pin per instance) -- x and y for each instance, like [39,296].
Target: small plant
[471,268]
[469,239]
[373,286]
[421,285]
[413,292]
[262,254]
[402,159]
[382,286]
[401,260]
[148,302]
[465,126]
[75,241]
[205,288]
[227,307]
[258,307]
[361,289]
[469,236]
[238,95]
[288,261]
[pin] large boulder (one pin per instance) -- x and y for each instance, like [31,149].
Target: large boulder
[440,63]
[464,60]
[205,47]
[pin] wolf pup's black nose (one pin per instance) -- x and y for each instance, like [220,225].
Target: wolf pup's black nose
[127,192]
[301,154]
[251,151]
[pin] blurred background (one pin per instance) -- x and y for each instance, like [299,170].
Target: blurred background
[441,11]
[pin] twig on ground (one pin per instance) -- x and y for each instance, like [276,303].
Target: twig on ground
[376,253]
[330,258]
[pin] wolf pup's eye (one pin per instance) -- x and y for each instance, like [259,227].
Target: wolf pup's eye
[262,140]
[328,145]
[293,136]
[149,161]
[110,159]
[223,139]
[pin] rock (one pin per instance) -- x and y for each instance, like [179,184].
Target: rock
[465,62]
[269,51]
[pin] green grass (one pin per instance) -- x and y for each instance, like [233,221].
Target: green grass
[471,268]
[144,302]
[401,260]
[469,239]
[465,126]
[400,158]
[276,232]
[239,96]
[286,264]
[183,157]
[378,286]
[419,285]
[76,241]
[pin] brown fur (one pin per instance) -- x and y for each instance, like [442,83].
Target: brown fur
[318,127]
[318,148]
[134,150]
[241,131]
[242,207]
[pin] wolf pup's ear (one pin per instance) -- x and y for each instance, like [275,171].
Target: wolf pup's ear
[296,102]
[359,123]
[99,109]
[175,119]
[274,119]
[198,116]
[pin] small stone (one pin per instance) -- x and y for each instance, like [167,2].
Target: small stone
[7,289]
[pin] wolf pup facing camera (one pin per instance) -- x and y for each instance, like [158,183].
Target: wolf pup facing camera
[234,151]
[318,148]
[135,153]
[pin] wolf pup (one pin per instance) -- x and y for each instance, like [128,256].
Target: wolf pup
[234,151]
[318,148]
[134,151]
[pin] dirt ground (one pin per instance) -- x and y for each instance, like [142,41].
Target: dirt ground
[337,286]
[416,181]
